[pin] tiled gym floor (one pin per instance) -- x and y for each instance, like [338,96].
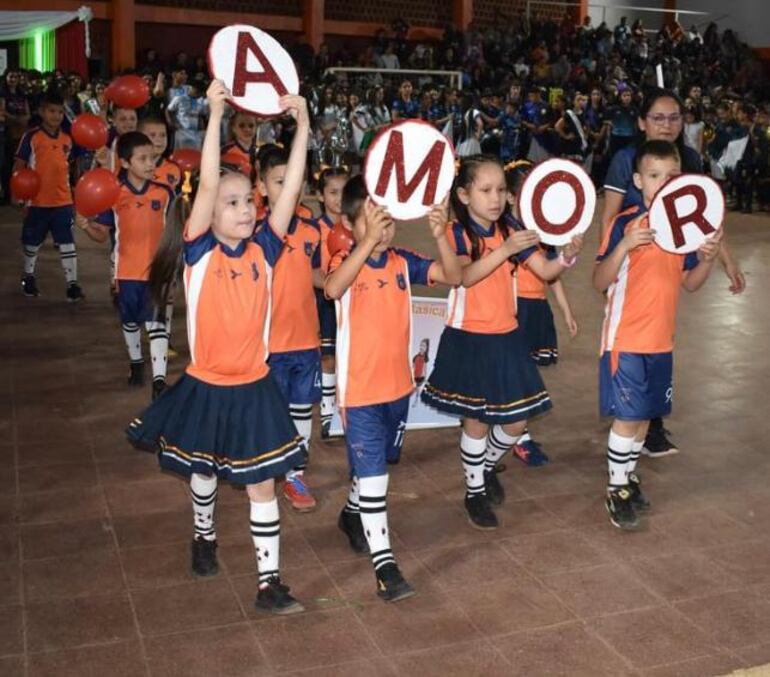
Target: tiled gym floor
[94,541]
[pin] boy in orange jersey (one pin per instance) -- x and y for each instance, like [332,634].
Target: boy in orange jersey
[47,149]
[295,344]
[371,286]
[138,218]
[642,282]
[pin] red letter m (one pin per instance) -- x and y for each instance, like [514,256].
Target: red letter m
[394,157]
[243,76]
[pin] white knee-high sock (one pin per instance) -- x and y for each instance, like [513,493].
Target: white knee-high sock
[30,258]
[266,534]
[636,452]
[328,391]
[69,261]
[619,450]
[499,443]
[353,496]
[302,415]
[472,453]
[373,493]
[133,341]
[203,491]
[156,331]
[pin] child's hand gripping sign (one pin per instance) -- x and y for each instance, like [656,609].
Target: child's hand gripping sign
[686,212]
[557,201]
[254,67]
[409,168]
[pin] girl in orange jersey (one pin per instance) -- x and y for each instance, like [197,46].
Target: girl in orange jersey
[482,370]
[533,311]
[331,181]
[225,418]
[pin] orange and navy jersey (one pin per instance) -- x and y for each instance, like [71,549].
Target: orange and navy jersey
[294,319]
[235,154]
[374,328]
[640,315]
[168,173]
[139,217]
[326,226]
[228,306]
[528,284]
[49,155]
[489,306]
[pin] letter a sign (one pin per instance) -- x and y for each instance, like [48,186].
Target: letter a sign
[409,168]
[254,67]
[686,211]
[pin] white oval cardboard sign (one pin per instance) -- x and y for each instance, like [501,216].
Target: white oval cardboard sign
[254,67]
[557,200]
[686,211]
[409,167]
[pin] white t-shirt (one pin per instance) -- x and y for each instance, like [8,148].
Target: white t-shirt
[693,136]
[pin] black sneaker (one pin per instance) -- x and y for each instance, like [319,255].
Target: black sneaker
[657,443]
[275,599]
[326,425]
[391,585]
[350,525]
[480,512]
[204,557]
[75,293]
[29,286]
[493,488]
[638,499]
[136,374]
[621,509]
[158,386]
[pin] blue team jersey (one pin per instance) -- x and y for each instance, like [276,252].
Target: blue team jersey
[406,109]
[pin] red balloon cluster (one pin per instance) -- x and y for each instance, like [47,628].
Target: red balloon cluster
[90,131]
[340,239]
[188,159]
[128,91]
[25,184]
[97,191]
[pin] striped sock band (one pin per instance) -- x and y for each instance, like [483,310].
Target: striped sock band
[473,453]
[203,491]
[30,258]
[373,492]
[352,504]
[266,534]
[302,415]
[499,443]
[618,457]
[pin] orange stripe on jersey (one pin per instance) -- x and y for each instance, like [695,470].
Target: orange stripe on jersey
[640,314]
[489,306]
[49,156]
[167,173]
[295,317]
[139,217]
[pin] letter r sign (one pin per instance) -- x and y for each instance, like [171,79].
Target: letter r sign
[255,67]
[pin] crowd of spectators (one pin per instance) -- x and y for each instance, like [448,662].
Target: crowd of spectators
[531,88]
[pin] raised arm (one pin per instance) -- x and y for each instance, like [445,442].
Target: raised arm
[283,210]
[208,185]
[447,269]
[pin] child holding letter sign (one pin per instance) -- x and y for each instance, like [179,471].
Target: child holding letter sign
[642,282]
[225,418]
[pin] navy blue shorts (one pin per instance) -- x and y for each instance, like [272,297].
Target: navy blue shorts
[39,221]
[374,435]
[298,375]
[134,302]
[327,319]
[635,386]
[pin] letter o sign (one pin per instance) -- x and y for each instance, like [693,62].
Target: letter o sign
[686,211]
[254,67]
[557,200]
[409,167]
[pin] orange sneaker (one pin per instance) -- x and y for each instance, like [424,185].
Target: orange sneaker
[298,494]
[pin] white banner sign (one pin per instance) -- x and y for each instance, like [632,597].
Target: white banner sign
[428,321]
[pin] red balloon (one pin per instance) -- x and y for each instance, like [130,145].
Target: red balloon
[90,131]
[340,239]
[25,184]
[128,91]
[96,192]
[188,159]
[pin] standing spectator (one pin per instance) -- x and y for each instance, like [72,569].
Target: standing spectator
[389,59]
[622,118]
[405,107]
[179,86]
[693,130]
[185,116]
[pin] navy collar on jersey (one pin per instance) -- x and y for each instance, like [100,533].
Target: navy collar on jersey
[123,178]
[48,134]
[373,262]
[235,253]
[480,230]
[325,218]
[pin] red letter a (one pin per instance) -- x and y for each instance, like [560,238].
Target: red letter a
[394,157]
[242,76]
[696,216]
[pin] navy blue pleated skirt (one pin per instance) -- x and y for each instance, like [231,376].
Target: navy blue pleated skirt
[240,433]
[487,377]
[536,322]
